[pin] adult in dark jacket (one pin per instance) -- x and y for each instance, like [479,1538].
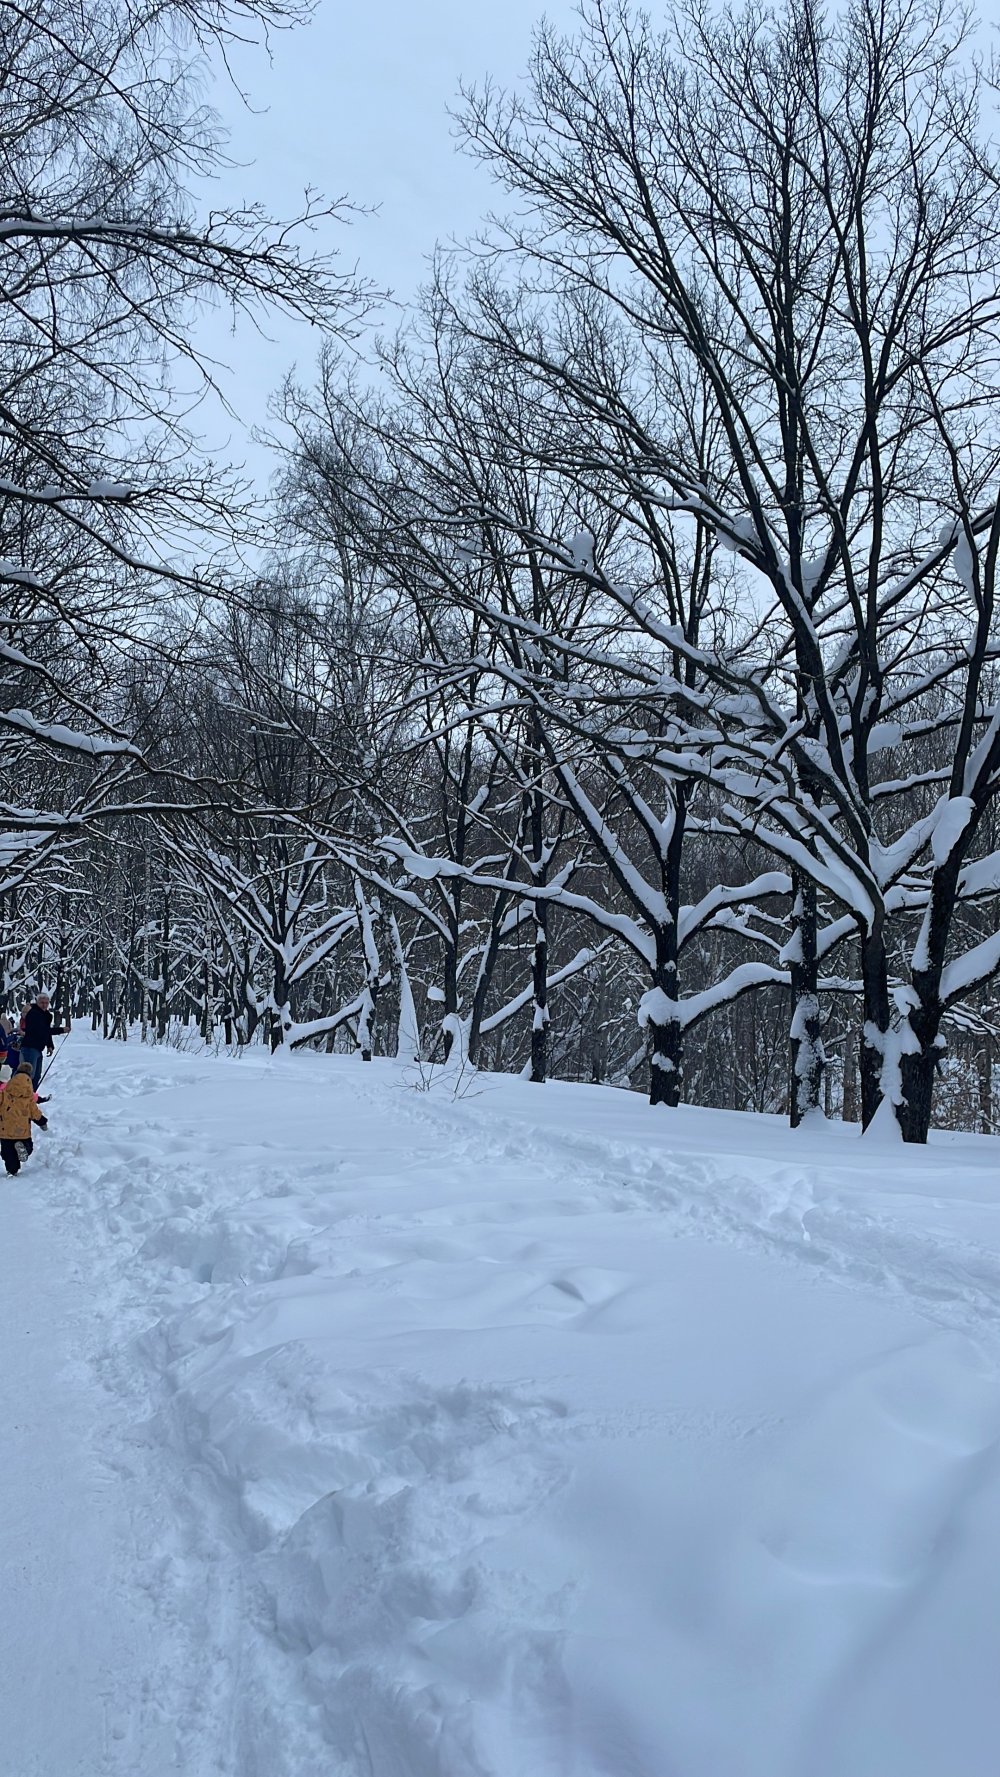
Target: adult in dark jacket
[39,1031]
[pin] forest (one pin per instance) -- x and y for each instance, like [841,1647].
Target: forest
[606,686]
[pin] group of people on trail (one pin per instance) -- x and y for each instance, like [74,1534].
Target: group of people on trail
[22,1049]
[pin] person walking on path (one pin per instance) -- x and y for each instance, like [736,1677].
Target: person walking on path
[10,1041]
[39,1031]
[18,1111]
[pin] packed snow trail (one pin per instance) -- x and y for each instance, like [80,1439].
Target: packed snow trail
[521,1433]
[77,1638]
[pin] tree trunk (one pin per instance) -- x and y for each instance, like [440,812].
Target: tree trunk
[451,978]
[373,971]
[663,1022]
[921,1055]
[276,1018]
[849,1108]
[204,1027]
[163,973]
[984,1072]
[806,1056]
[540,996]
[540,957]
[665,1077]
[919,1060]
[917,1076]
[408,1028]
[876,1021]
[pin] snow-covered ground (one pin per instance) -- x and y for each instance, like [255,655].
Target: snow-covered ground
[354,1430]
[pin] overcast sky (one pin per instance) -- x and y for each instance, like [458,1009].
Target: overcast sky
[357,103]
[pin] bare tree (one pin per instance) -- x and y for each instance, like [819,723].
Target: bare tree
[105,506]
[806,207]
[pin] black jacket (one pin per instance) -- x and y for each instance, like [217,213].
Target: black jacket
[39,1029]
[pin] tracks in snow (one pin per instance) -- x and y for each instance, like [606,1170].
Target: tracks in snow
[329,1567]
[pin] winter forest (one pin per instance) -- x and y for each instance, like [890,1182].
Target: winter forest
[607,685]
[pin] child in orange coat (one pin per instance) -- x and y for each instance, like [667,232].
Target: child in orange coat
[18,1110]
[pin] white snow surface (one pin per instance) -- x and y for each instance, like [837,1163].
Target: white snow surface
[358,1430]
[954,815]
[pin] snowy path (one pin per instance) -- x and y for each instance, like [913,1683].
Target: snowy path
[75,1651]
[496,1437]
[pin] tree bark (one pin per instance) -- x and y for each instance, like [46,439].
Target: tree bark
[806,1059]
[540,996]
[876,1021]
[665,1036]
